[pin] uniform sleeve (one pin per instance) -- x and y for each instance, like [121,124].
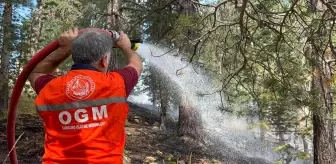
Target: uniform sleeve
[130,76]
[42,81]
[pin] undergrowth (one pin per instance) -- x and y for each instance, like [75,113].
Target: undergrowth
[26,106]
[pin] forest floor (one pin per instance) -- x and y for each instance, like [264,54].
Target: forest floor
[145,143]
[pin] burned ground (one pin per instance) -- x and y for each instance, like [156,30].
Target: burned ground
[145,142]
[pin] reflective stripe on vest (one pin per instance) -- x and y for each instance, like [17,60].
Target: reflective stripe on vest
[81,104]
[88,128]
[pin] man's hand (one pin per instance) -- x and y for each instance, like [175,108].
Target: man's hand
[49,64]
[133,60]
[124,42]
[66,38]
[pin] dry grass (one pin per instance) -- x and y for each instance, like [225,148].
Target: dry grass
[26,106]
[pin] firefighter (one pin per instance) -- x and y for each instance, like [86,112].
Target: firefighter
[85,110]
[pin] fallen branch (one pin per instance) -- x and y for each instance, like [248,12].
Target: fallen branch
[12,148]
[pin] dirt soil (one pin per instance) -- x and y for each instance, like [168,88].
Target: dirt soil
[145,143]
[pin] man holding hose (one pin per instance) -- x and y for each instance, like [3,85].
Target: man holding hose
[85,110]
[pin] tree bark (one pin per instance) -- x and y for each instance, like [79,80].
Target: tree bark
[305,145]
[324,152]
[187,6]
[262,134]
[34,33]
[113,12]
[315,5]
[323,149]
[328,95]
[189,121]
[281,133]
[322,110]
[5,55]
[110,22]
[164,100]
[32,42]
[114,23]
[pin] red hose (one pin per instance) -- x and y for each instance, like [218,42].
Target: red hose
[20,82]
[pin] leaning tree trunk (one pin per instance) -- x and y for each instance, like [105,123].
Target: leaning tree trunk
[5,55]
[189,121]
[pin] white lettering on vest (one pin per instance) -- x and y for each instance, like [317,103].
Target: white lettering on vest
[99,113]
[82,115]
[61,117]
[84,118]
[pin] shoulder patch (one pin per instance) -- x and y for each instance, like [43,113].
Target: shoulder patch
[80,87]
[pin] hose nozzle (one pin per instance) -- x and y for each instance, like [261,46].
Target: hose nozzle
[115,35]
[135,43]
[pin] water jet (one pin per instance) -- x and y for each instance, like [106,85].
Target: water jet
[228,135]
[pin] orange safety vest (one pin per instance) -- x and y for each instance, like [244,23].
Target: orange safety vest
[84,114]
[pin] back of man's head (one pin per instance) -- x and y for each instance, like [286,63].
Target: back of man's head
[90,46]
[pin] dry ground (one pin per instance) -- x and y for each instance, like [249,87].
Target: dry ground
[145,142]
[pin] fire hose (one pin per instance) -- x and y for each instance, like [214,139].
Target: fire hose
[22,78]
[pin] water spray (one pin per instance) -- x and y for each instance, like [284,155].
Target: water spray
[22,78]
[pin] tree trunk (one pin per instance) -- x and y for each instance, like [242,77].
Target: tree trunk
[323,149]
[305,144]
[324,152]
[262,134]
[154,96]
[187,6]
[34,33]
[110,22]
[32,42]
[189,121]
[153,83]
[328,75]
[163,105]
[114,23]
[281,133]
[316,5]
[322,110]
[113,12]
[5,55]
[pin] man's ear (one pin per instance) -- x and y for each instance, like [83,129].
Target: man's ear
[104,61]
